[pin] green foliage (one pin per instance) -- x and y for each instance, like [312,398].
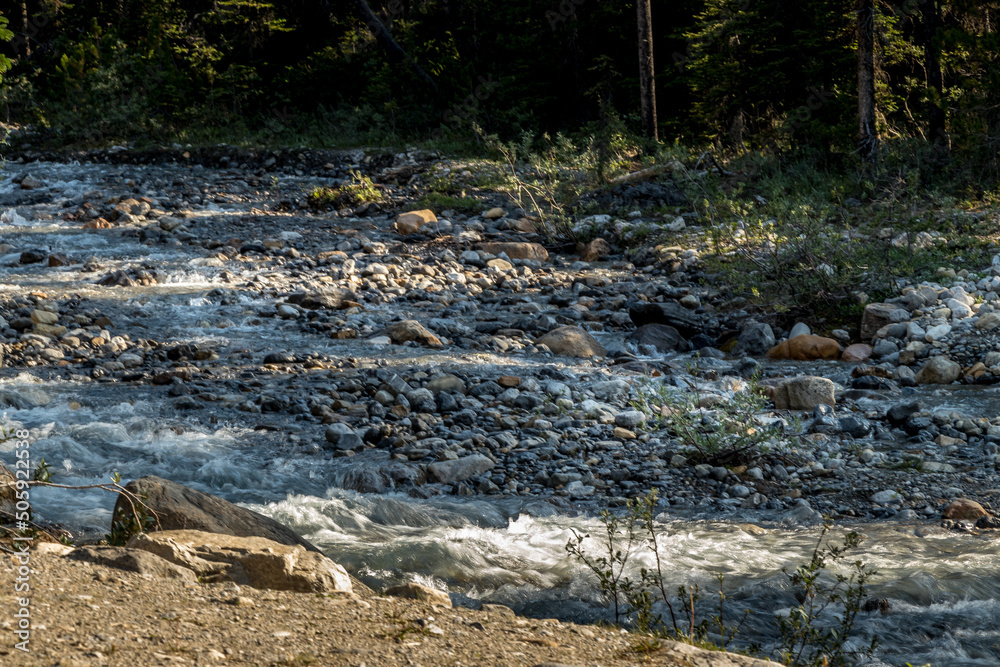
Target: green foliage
[741,75]
[5,36]
[716,430]
[359,190]
[815,633]
[775,224]
[439,202]
[546,176]
[125,525]
[768,71]
[43,471]
[632,601]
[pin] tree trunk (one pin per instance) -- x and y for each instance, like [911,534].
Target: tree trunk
[936,131]
[392,48]
[868,140]
[25,29]
[647,87]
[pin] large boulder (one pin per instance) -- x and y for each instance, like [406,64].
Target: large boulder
[804,393]
[248,561]
[878,315]
[570,341]
[178,507]
[458,470]
[516,250]
[132,560]
[805,347]
[938,370]
[660,337]
[671,313]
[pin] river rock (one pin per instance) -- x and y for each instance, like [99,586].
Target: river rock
[516,250]
[899,414]
[938,370]
[661,337]
[887,496]
[594,251]
[671,313]
[24,398]
[458,470]
[963,509]
[755,339]
[805,347]
[804,393]
[410,223]
[423,593]
[44,317]
[857,353]
[494,213]
[343,437]
[937,333]
[33,256]
[448,384]
[800,329]
[959,311]
[329,299]
[878,315]
[630,419]
[407,330]
[178,507]
[988,322]
[247,561]
[8,491]
[132,560]
[571,341]
[29,182]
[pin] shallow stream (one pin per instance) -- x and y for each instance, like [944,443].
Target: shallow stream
[943,588]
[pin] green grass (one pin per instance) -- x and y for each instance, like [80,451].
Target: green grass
[440,202]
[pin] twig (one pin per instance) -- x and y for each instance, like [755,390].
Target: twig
[114,487]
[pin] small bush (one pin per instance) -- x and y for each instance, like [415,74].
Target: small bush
[359,190]
[814,634]
[713,429]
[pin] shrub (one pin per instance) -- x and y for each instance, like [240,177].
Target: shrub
[814,634]
[359,190]
[713,429]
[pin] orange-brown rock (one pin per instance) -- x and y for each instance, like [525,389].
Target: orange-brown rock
[857,352]
[99,223]
[411,222]
[508,381]
[863,370]
[963,509]
[805,348]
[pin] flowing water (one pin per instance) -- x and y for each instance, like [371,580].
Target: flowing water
[944,588]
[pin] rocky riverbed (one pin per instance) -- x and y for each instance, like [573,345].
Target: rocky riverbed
[195,315]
